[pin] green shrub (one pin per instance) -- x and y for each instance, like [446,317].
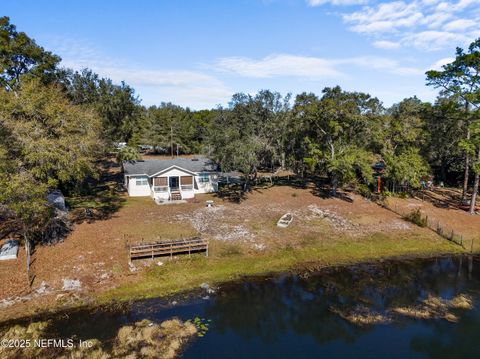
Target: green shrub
[128,154]
[363,190]
[415,216]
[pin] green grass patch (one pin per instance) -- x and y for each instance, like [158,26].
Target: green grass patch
[184,273]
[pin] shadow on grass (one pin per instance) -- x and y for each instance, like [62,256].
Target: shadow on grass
[102,197]
[440,198]
[319,186]
[234,193]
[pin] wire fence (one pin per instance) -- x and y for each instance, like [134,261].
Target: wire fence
[418,217]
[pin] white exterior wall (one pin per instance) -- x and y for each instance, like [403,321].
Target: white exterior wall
[207,187]
[198,187]
[174,172]
[137,191]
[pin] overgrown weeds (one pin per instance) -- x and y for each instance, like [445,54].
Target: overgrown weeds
[416,217]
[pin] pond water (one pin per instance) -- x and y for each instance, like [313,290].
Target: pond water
[305,316]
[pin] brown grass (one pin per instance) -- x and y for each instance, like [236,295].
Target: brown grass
[436,307]
[362,316]
[139,340]
[244,239]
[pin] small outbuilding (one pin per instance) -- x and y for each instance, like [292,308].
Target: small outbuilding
[9,250]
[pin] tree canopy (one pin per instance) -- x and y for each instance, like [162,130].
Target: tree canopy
[55,123]
[20,56]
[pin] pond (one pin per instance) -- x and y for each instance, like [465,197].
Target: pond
[394,309]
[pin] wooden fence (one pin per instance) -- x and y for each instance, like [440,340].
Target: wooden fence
[168,248]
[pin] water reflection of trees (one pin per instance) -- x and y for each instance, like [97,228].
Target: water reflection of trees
[443,341]
[269,308]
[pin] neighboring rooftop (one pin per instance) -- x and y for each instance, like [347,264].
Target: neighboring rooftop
[151,167]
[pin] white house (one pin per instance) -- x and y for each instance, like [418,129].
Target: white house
[170,179]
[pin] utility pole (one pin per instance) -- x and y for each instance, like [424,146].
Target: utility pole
[171,139]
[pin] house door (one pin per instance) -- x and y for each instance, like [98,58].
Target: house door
[174,183]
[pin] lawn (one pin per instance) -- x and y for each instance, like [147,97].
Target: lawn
[184,273]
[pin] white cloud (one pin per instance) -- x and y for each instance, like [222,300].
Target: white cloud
[385,44]
[386,17]
[184,87]
[438,64]
[434,40]
[336,2]
[284,65]
[425,24]
[381,63]
[460,24]
[278,65]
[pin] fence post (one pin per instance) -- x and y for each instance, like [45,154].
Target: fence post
[471,246]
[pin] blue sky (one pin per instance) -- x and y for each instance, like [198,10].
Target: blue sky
[198,53]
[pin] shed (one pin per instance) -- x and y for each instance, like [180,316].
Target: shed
[9,250]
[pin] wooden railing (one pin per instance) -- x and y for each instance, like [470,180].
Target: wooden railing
[169,248]
[186,187]
[160,189]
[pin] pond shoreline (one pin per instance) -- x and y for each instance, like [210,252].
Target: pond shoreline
[196,293]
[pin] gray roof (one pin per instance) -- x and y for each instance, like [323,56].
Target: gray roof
[151,167]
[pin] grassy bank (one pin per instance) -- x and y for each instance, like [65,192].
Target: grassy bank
[184,273]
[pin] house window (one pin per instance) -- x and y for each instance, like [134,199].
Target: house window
[141,181]
[204,178]
[160,184]
[186,183]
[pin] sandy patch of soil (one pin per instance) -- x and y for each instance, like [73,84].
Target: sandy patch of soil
[441,208]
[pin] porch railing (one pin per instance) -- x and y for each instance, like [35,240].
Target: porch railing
[186,187]
[160,189]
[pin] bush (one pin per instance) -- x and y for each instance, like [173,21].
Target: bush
[364,190]
[415,216]
[128,154]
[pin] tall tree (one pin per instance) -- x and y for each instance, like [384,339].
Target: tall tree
[444,126]
[250,134]
[20,55]
[45,142]
[405,135]
[119,110]
[472,147]
[333,132]
[460,80]
[170,127]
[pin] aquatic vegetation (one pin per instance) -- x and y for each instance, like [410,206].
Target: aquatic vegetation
[437,308]
[146,339]
[202,325]
[33,331]
[361,315]
[429,308]
[462,301]
[414,312]
[143,339]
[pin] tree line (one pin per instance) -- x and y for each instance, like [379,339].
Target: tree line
[56,123]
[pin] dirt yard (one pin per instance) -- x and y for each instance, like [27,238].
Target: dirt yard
[441,206]
[93,258]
